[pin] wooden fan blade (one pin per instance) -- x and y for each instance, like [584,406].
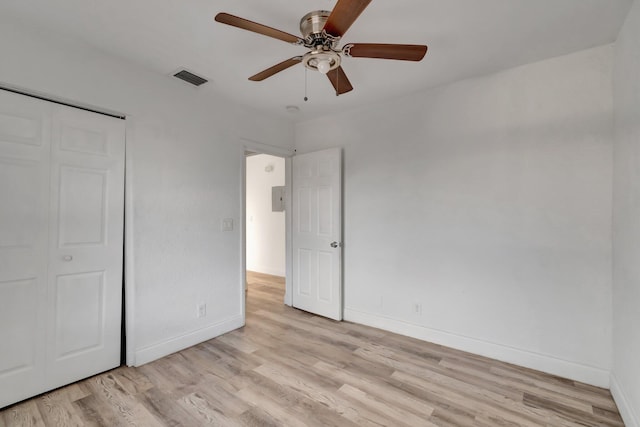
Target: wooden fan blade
[339,81]
[343,15]
[403,52]
[245,24]
[276,69]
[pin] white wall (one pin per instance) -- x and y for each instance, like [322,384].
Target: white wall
[626,232]
[265,228]
[488,202]
[184,157]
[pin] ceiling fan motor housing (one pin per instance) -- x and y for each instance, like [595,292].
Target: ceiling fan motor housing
[312,29]
[322,45]
[313,22]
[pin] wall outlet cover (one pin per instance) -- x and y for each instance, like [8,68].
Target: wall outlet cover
[202,310]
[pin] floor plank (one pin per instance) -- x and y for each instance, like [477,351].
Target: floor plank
[291,368]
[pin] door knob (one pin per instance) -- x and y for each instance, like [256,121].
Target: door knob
[67,258]
[335,244]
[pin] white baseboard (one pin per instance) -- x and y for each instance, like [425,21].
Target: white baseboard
[268,270]
[172,345]
[629,415]
[540,362]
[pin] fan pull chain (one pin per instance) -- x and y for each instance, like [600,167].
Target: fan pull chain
[305,84]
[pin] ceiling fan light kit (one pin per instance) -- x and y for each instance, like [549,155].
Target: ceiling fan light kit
[321,60]
[322,31]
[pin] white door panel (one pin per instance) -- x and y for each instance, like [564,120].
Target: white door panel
[61,209]
[25,144]
[82,206]
[86,240]
[317,182]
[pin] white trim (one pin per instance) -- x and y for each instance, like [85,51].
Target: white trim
[129,256]
[261,148]
[627,412]
[172,345]
[541,362]
[288,210]
[243,232]
[268,270]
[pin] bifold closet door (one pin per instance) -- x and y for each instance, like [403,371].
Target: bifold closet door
[85,245]
[61,245]
[25,143]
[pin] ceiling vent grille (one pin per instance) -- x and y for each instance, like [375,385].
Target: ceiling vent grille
[190,78]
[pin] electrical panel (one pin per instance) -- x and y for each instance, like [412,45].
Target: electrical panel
[277,199]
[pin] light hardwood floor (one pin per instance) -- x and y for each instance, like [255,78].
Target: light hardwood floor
[290,368]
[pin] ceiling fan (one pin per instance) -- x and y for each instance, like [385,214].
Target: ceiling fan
[321,33]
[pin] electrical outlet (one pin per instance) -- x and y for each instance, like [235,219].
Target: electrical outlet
[202,310]
[417,308]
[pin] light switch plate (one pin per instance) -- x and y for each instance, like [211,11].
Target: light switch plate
[227,224]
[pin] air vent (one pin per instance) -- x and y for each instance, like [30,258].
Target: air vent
[190,78]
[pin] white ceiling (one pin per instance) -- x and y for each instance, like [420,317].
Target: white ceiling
[465,37]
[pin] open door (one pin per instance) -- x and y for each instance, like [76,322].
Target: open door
[317,233]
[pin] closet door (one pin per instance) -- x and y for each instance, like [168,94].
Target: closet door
[61,245]
[25,126]
[85,245]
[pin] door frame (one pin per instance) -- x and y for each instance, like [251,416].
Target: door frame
[287,154]
[129,252]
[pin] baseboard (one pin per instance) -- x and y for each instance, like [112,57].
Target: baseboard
[267,270]
[629,415]
[540,362]
[172,345]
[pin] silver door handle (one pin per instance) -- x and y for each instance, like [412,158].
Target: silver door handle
[336,244]
[67,258]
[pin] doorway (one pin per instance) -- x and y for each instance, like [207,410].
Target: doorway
[265,234]
[265,221]
[313,227]
[265,214]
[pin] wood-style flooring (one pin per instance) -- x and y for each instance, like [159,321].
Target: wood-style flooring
[290,368]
